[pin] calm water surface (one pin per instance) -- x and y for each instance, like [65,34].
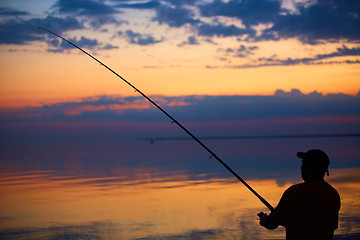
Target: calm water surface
[61,189]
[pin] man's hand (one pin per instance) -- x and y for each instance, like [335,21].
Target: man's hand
[262,217]
[267,222]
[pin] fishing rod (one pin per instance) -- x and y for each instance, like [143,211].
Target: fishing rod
[212,154]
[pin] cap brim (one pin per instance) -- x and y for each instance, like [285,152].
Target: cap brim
[301,155]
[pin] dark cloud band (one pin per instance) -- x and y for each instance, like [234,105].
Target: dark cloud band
[283,104]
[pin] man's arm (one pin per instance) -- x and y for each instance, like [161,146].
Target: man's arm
[267,221]
[281,213]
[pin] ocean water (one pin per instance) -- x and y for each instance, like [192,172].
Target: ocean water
[109,188]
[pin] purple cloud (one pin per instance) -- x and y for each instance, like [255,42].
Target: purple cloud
[292,104]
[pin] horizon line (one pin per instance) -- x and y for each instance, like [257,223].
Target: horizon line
[253,137]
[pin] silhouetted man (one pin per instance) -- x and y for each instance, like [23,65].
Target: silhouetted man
[309,210]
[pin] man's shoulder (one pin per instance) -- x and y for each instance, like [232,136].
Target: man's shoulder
[333,191]
[308,186]
[295,187]
[293,190]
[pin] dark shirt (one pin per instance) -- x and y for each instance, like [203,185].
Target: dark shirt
[308,210]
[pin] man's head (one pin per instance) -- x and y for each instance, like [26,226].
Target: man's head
[314,164]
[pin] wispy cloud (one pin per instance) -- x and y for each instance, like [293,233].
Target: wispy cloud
[11,12]
[175,16]
[137,5]
[222,30]
[192,40]
[23,31]
[84,7]
[250,12]
[83,42]
[96,13]
[341,52]
[244,51]
[139,39]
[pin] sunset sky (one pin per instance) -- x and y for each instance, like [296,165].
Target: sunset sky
[177,48]
[203,60]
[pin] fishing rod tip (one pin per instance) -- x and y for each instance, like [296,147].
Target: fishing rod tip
[38,28]
[38,32]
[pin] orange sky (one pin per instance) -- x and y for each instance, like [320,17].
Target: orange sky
[34,77]
[175,48]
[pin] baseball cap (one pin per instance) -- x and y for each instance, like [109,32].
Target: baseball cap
[315,158]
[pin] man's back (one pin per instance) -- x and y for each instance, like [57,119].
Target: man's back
[309,210]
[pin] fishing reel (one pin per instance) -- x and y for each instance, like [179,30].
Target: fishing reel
[261,215]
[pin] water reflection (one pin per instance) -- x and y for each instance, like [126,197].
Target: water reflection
[108,188]
[48,205]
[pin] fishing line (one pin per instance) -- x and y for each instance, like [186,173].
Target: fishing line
[212,154]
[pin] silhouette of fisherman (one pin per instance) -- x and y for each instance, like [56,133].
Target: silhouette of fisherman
[308,210]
